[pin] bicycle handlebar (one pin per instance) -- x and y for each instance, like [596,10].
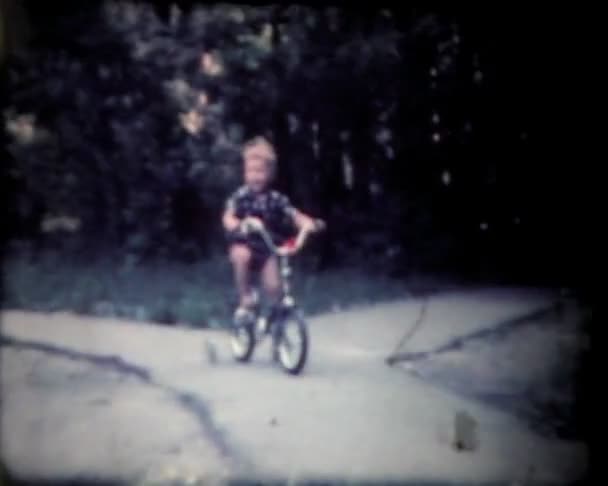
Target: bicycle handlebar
[301,238]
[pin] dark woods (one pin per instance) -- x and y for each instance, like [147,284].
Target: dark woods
[418,135]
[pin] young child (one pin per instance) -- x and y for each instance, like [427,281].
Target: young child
[256,205]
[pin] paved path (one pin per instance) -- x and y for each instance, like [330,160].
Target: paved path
[86,397]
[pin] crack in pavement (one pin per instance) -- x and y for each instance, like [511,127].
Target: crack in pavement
[186,400]
[544,400]
[490,331]
[104,361]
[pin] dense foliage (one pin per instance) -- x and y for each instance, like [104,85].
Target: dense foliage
[411,132]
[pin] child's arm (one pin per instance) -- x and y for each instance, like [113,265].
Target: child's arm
[306,225]
[303,222]
[230,221]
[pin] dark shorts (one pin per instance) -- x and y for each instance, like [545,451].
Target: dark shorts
[259,252]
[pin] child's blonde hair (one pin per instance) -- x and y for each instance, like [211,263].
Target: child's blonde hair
[260,148]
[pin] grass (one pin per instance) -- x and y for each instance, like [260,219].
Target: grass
[199,295]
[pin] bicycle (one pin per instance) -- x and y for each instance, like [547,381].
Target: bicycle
[285,322]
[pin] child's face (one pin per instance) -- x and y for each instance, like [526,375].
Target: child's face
[258,173]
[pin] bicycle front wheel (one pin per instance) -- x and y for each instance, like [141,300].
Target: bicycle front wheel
[291,343]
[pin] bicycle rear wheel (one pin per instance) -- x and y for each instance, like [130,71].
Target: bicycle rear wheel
[291,343]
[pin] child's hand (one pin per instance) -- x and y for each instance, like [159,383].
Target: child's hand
[252,223]
[308,226]
[313,226]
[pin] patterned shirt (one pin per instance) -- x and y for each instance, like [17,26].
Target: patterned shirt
[272,207]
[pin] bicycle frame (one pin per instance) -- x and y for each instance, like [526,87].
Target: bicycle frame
[287,299]
[285,270]
[253,330]
[287,302]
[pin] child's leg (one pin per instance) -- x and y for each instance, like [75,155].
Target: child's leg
[240,256]
[271,279]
